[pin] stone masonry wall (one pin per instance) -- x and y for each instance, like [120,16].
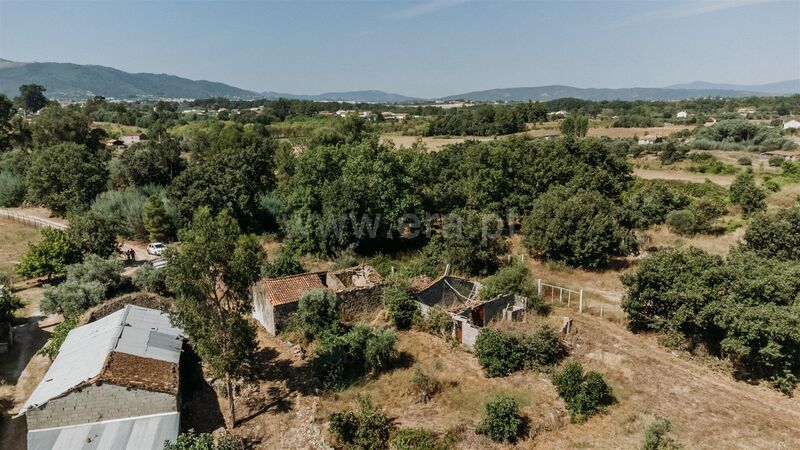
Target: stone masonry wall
[95,403]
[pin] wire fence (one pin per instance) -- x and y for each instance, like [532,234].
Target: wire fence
[29,220]
[582,300]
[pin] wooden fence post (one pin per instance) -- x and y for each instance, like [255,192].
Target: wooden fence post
[580,304]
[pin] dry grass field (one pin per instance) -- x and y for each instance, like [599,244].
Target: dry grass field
[431,143]
[14,239]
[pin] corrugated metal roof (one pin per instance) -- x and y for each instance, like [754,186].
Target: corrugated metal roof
[133,330]
[135,433]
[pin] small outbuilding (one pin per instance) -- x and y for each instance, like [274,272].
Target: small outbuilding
[681,115]
[114,384]
[791,124]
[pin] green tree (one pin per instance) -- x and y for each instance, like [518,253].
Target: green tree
[317,313]
[50,256]
[9,302]
[93,268]
[501,421]
[94,233]
[499,353]
[65,177]
[577,228]
[59,125]
[156,220]
[6,126]
[31,98]
[72,297]
[576,124]
[470,242]
[775,235]
[152,162]
[211,276]
[745,193]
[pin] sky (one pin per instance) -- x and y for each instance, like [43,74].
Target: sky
[427,48]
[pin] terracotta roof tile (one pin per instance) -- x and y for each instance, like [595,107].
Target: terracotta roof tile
[289,289]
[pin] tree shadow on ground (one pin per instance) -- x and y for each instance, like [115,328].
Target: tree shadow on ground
[200,407]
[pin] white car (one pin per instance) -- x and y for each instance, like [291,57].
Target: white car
[156,248]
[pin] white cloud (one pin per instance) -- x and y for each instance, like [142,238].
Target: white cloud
[691,9]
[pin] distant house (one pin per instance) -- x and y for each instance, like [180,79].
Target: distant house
[560,113]
[114,384]
[359,290]
[793,124]
[649,140]
[788,155]
[113,143]
[744,112]
[460,298]
[682,115]
[132,139]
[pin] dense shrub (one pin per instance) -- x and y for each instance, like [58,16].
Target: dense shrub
[368,428]
[501,354]
[740,134]
[126,209]
[94,233]
[501,421]
[741,308]
[9,302]
[775,161]
[400,303]
[149,279]
[707,163]
[317,313]
[584,393]
[745,161]
[437,322]
[682,222]
[342,359]
[470,242]
[745,193]
[649,202]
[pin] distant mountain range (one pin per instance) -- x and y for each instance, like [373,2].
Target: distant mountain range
[65,81]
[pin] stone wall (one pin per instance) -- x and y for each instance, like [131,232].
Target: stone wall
[97,403]
[356,302]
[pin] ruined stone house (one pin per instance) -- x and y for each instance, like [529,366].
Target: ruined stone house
[115,384]
[460,298]
[276,299]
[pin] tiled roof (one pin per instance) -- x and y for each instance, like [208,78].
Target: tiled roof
[289,289]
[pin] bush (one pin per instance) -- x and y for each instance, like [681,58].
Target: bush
[317,313]
[400,304]
[94,233]
[417,439]
[93,269]
[60,333]
[437,322]
[501,421]
[366,429]
[191,440]
[341,359]
[682,222]
[501,354]
[149,279]
[514,279]
[584,393]
[745,193]
[656,436]
[72,298]
[125,208]
[424,385]
[775,161]
[745,161]
[12,189]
